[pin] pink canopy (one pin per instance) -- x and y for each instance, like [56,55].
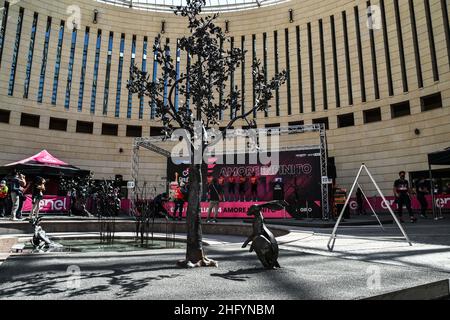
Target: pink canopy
[42,158]
[44,164]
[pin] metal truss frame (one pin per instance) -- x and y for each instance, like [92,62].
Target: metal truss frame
[149,143]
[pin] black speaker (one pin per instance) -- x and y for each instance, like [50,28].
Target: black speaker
[331,168]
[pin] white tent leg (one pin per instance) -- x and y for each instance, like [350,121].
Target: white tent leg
[332,240]
[388,206]
[370,205]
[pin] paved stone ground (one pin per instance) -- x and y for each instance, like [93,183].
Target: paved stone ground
[308,271]
[430,239]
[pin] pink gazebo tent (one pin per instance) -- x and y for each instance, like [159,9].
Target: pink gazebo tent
[42,163]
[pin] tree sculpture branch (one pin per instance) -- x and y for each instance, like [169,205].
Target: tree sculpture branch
[207,75]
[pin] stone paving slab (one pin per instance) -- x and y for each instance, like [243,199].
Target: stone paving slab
[153,275]
[308,271]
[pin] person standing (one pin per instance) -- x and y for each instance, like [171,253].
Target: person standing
[37,195]
[3,197]
[221,182]
[242,187]
[214,199]
[24,189]
[254,187]
[402,196]
[360,202]
[422,191]
[16,192]
[158,205]
[179,202]
[231,188]
[278,189]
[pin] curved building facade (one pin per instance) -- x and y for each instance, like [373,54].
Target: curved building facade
[381,84]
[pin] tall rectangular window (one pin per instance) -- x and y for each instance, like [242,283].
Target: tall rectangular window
[360,56]
[311,69]
[144,69]
[335,63]
[96,65]
[400,46]
[323,66]
[188,82]
[288,70]
[3,28]
[431,41]
[44,60]
[30,56]
[166,75]
[386,49]
[266,113]
[221,93]
[83,69]
[133,58]
[177,77]
[58,61]
[299,69]
[108,74]
[347,59]
[243,76]
[277,91]
[73,45]
[155,74]
[12,77]
[233,106]
[253,76]
[119,75]
[416,44]
[374,56]
[444,7]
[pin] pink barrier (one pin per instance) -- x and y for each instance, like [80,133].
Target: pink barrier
[236,210]
[442,201]
[226,209]
[54,204]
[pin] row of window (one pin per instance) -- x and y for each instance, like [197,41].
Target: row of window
[310,49]
[398,110]
[32,120]
[401,109]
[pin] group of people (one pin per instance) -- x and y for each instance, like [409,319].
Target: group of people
[403,193]
[236,187]
[12,195]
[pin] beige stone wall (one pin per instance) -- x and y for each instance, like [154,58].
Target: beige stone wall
[386,146]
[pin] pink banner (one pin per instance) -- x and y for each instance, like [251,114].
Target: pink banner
[53,204]
[231,210]
[226,209]
[442,201]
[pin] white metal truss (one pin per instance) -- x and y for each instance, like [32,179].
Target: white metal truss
[149,143]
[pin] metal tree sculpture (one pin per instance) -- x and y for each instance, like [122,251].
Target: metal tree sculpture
[208,71]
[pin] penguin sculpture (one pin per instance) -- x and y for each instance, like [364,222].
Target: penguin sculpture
[263,241]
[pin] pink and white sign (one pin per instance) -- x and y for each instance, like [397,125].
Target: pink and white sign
[50,204]
[231,210]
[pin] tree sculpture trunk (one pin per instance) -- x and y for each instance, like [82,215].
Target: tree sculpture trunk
[195,257]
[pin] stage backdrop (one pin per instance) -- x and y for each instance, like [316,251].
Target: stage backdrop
[298,170]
